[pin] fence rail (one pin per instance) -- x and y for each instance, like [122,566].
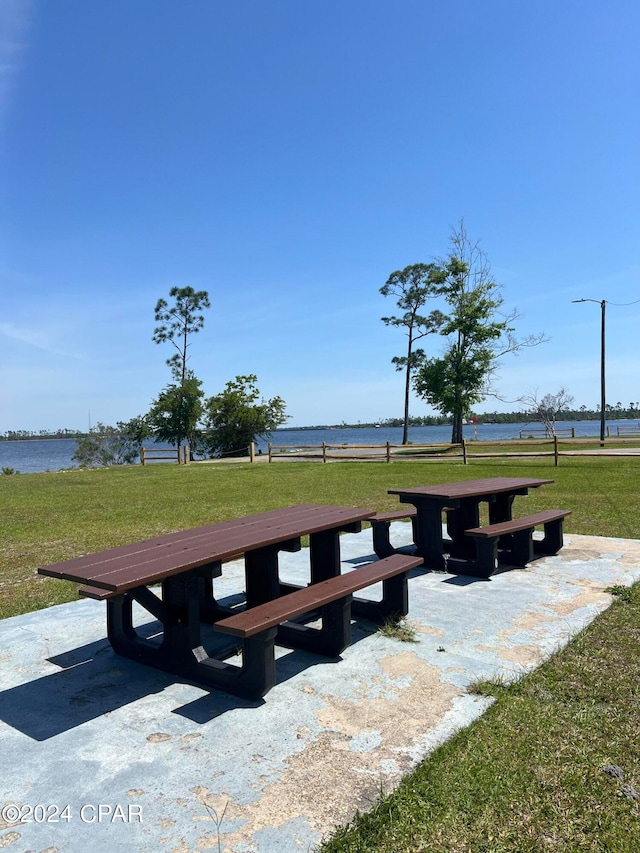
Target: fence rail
[550,446]
[626,430]
[165,454]
[369,452]
[561,432]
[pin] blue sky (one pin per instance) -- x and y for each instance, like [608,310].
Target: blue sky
[287,156]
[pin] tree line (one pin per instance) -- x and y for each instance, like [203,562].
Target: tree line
[617,412]
[613,412]
[31,435]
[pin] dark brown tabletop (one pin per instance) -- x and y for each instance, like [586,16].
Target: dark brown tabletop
[472,488]
[128,566]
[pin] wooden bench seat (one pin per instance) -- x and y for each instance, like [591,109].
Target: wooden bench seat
[330,600]
[380,526]
[512,541]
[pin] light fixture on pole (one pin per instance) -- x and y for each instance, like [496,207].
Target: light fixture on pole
[602,303]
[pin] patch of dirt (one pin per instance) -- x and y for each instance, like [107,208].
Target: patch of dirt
[331,778]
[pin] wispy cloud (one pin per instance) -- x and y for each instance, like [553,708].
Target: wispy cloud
[34,338]
[15,16]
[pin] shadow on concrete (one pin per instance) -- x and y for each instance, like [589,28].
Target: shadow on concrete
[359,561]
[216,703]
[289,663]
[464,580]
[94,681]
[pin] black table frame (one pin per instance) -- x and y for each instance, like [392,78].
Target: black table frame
[187,603]
[463,513]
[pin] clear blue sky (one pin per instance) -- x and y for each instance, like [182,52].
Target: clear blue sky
[287,156]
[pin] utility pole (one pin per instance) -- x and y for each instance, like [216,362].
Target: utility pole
[602,304]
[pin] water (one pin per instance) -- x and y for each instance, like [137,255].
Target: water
[426,434]
[38,455]
[29,457]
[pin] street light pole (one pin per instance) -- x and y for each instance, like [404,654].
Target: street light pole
[602,304]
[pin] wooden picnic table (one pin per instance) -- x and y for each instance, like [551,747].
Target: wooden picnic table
[462,501]
[186,563]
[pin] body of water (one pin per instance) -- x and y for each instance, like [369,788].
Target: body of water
[425,434]
[36,455]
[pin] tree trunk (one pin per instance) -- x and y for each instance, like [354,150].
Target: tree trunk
[456,432]
[405,426]
[407,390]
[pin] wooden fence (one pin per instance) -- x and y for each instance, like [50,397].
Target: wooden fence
[369,452]
[565,432]
[627,429]
[553,447]
[570,432]
[165,454]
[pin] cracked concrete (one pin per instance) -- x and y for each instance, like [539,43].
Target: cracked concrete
[180,770]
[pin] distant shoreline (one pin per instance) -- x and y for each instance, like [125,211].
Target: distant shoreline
[488,418]
[42,438]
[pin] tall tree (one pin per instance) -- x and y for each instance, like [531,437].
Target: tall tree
[412,287]
[175,408]
[178,323]
[237,416]
[477,334]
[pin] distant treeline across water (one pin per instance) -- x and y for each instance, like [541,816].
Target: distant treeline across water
[521,419]
[34,455]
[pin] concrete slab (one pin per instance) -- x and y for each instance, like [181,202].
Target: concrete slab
[99,753]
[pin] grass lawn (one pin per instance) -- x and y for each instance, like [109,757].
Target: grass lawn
[528,775]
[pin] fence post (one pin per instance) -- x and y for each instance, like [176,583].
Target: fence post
[555,449]
[142,459]
[388,451]
[270,446]
[252,451]
[464,452]
[324,451]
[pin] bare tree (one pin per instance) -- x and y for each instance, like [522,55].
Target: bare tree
[546,409]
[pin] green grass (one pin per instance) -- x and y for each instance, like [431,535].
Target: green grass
[51,517]
[398,629]
[528,775]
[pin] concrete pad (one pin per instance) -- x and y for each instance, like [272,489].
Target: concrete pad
[100,753]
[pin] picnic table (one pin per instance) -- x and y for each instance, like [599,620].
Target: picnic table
[474,545]
[185,565]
